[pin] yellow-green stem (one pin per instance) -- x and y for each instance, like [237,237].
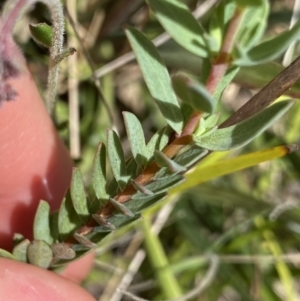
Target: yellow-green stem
[159,261]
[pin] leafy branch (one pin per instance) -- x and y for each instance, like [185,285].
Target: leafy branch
[190,135]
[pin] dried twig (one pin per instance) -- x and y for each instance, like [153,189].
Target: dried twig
[209,277]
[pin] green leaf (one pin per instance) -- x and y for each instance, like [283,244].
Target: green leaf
[242,133]
[211,121]
[191,156]
[156,77]
[193,93]
[171,165]
[140,203]
[68,219]
[42,34]
[99,173]
[201,174]
[79,199]
[269,50]
[40,254]
[117,159]
[181,25]
[6,254]
[161,184]
[251,31]
[136,139]
[54,225]
[20,250]
[224,82]
[41,226]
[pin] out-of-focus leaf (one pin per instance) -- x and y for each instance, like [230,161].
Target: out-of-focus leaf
[254,25]
[213,170]
[242,133]
[117,159]
[63,251]
[156,77]
[99,173]
[181,25]
[40,254]
[20,250]
[269,50]
[136,138]
[193,93]
[245,3]
[258,76]
[41,226]
[83,240]
[6,254]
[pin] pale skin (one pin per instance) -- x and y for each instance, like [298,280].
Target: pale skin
[34,165]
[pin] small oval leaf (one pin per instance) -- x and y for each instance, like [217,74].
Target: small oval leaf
[20,250]
[63,251]
[77,191]
[136,138]
[99,172]
[40,254]
[117,159]
[68,219]
[41,227]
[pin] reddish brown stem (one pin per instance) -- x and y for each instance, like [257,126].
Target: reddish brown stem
[217,72]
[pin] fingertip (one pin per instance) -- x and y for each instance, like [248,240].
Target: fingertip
[79,269]
[19,281]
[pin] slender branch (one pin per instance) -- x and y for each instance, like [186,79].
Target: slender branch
[73,90]
[56,49]
[91,65]
[208,279]
[219,66]
[282,82]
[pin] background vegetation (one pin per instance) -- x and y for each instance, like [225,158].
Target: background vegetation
[245,219]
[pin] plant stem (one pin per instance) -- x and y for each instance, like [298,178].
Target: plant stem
[159,261]
[217,72]
[219,67]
